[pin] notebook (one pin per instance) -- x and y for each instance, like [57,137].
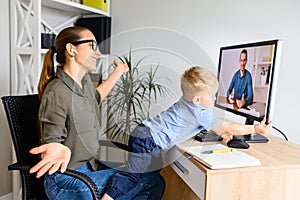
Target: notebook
[231,159]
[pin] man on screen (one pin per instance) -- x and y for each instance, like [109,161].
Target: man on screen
[240,90]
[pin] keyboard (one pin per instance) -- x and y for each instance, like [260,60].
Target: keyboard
[207,136]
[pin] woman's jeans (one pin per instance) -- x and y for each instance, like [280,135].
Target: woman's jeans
[62,187]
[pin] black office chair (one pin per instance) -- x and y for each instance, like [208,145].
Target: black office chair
[22,116]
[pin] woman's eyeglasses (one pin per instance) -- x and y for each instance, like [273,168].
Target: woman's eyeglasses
[94,43]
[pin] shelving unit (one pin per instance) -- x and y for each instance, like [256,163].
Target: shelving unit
[26,22]
[262,59]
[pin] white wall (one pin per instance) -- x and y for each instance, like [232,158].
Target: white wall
[196,29]
[5,142]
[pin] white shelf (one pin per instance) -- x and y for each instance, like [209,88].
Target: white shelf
[26,53]
[70,6]
[264,63]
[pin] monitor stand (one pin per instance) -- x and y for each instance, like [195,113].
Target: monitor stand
[253,138]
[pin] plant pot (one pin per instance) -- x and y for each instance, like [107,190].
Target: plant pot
[47,40]
[263,79]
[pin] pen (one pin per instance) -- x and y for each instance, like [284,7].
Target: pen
[217,151]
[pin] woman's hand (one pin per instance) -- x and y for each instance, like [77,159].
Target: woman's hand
[262,128]
[121,66]
[105,87]
[55,156]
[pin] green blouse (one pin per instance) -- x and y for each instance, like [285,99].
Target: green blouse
[70,115]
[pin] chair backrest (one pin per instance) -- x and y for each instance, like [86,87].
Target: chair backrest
[22,117]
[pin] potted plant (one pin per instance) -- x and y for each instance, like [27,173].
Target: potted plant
[47,38]
[263,73]
[130,100]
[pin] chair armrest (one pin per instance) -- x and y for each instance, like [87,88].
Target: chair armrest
[106,143]
[85,179]
[19,166]
[75,174]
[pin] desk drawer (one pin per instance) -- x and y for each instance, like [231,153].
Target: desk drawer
[189,173]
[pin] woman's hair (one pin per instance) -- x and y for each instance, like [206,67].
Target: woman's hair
[196,79]
[67,35]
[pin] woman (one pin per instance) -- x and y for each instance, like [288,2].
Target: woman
[69,116]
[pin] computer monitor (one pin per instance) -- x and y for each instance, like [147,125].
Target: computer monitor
[251,93]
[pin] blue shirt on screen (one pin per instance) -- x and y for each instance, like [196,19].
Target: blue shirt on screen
[241,85]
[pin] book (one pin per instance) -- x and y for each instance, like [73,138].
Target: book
[232,159]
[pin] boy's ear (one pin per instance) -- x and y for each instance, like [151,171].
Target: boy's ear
[197,100]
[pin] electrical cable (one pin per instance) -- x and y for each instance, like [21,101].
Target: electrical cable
[280,132]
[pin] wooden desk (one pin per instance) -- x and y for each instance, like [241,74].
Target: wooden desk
[278,176]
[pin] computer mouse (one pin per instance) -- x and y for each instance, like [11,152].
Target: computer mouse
[236,142]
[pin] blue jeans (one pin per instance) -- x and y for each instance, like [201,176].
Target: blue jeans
[62,187]
[143,164]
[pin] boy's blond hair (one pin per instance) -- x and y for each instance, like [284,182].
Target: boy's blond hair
[196,79]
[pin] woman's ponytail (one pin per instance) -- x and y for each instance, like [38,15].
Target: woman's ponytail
[47,73]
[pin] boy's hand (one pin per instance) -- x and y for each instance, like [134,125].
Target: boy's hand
[261,127]
[226,136]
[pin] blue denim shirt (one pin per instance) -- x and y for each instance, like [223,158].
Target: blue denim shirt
[242,85]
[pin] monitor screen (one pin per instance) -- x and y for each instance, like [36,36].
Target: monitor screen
[248,76]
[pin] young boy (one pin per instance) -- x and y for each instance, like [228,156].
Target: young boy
[180,122]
